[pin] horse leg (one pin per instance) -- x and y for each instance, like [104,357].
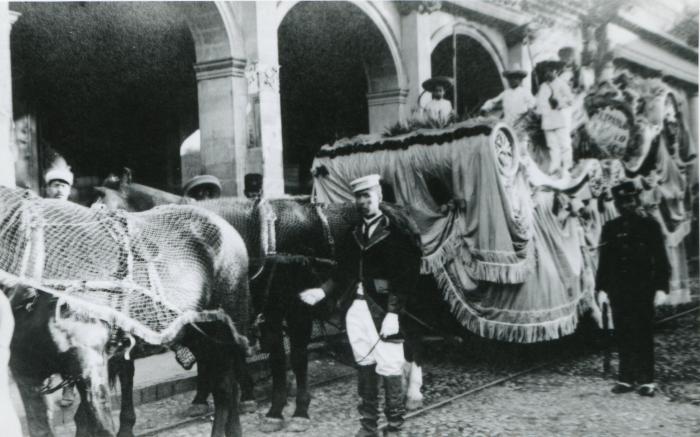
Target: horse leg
[200,404]
[35,407]
[127,415]
[224,389]
[272,336]
[94,393]
[245,380]
[300,334]
[413,372]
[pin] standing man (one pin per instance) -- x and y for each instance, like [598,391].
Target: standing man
[438,109]
[59,181]
[553,100]
[516,100]
[633,266]
[202,187]
[377,269]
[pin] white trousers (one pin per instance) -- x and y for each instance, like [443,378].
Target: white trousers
[559,145]
[366,346]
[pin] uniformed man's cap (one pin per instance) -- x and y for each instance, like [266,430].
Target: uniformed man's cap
[365,183]
[206,179]
[252,182]
[624,190]
[59,174]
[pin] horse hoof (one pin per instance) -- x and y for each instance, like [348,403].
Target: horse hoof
[271,424]
[196,410]
[249,407]
[414,404]
[299,424]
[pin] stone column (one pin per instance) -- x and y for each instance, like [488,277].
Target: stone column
[262,73]
[7,155]
[264,92]
[415,50]
[222,95]
[385,108]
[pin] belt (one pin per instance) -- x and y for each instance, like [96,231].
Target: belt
[360,297]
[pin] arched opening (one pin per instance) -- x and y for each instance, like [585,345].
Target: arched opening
[478,77]
[331,56]
[107,85]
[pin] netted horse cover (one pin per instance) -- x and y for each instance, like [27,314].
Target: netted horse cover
[147,273]
[507,269]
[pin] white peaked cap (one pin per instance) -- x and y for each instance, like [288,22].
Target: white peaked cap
[365,182]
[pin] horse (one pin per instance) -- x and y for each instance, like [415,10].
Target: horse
[302,257]
[57,331]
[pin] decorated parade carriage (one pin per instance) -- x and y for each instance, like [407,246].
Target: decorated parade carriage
[513,250]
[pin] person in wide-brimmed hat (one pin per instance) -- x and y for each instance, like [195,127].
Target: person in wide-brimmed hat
[438,108]
[202,187]
[516,100]
[58,179]
[553,99]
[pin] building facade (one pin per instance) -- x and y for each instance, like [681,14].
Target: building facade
[238,67]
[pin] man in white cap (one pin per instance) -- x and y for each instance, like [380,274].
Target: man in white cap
[202,187]
[378,267]
[516,100]
[59,180]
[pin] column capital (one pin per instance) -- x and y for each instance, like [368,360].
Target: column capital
[218,68]
[387,97]
[262,77]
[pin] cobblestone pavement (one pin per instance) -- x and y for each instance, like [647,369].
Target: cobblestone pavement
[570,397]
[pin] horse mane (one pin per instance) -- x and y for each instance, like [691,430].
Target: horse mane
[401,218]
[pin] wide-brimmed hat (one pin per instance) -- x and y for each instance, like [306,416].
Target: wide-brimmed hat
[201,180]
[550,64]
[515,71]
[566,53]
[430,84]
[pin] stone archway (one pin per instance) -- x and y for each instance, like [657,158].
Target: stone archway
[222,91]
[479,65]
[338,78]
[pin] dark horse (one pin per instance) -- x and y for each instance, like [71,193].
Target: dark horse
[55,334]
[291,246]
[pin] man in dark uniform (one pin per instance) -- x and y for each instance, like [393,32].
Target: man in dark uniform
[378,267]
[253,185]
[632,267]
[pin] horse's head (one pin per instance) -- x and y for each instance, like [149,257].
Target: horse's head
[86,340]
[113,194]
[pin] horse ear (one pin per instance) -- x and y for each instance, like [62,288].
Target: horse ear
[125,179]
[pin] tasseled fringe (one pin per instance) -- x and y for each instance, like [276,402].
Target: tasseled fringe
[531,333]
[502,268]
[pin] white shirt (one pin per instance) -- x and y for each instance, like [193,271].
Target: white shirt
[439,110]
[554,118]
[516,102]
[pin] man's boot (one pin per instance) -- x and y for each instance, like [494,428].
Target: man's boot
[395,408]
[368,389]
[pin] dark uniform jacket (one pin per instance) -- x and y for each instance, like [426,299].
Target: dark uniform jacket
[387,265]
[633,258]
